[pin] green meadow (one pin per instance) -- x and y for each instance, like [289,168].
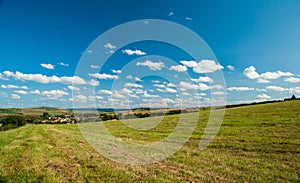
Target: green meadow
[257,143]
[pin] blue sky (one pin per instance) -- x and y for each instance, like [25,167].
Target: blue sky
[256,45]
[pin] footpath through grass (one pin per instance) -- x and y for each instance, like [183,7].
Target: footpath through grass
[259,143]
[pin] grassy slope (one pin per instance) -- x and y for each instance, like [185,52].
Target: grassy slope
[32,111]
[258,143]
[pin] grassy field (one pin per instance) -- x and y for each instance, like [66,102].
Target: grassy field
[259,143]
[32,111]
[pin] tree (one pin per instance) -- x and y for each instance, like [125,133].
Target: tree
[10,122]
[45,115]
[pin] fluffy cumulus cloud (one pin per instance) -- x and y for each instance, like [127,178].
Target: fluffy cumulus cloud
[48,66]
[204,66]
[240,89]
[152,65]
[263,96]
[73,88]
[205,79]
[14,96]
[133,52]
[54,93]
[262,80]
[93,82]
[107,92]
[39,78]
[292,80]
[230,67]
[79,98]
[116,71]
[14,87]
[133,85]
[109,46]
[190,86]
[178,68]
[103,76]
[138,79]
[2,77]
[251,73]
[37,92]
[275,88]
[22,92]
[275,75]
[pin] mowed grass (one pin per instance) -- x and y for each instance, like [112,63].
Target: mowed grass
[259,143]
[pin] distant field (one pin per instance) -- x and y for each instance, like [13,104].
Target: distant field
[259,143]
[32,111]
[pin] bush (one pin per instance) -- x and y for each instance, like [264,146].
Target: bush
[10,122]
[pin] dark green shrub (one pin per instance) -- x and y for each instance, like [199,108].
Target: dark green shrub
[10,122]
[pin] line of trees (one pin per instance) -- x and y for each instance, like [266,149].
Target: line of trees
[11,122]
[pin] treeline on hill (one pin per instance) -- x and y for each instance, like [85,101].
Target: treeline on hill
[137,113]
[11,122]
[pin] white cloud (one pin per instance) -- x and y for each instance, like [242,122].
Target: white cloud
[14,96]
[261,80]
[275,75]
[14,87]
[105,92]
[104,76]
[129,77]
[147,95]
[155,81]
[93,82]
[218,93]
[109,46]
[133,52]
[171,90]
[292,80]
[116,71]
[118,95]
[152,65]
[203,79]
[54,93]
[22,92]
[178,68]
[203,86]
[171,13]
[171,85]
[79,98]
[2,77]
[37,92]
[188,86]
[275,88]
[189,18]
[95,66]
[138,79]
[159,85]
[295,90]
[263,96]
[240,89]
[63,64]
[39,78]
[48,66]
[73,88]
[134,85]
[251,73]
[230,67]
[204,66]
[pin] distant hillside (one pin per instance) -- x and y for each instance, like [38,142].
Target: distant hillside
[33,111]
